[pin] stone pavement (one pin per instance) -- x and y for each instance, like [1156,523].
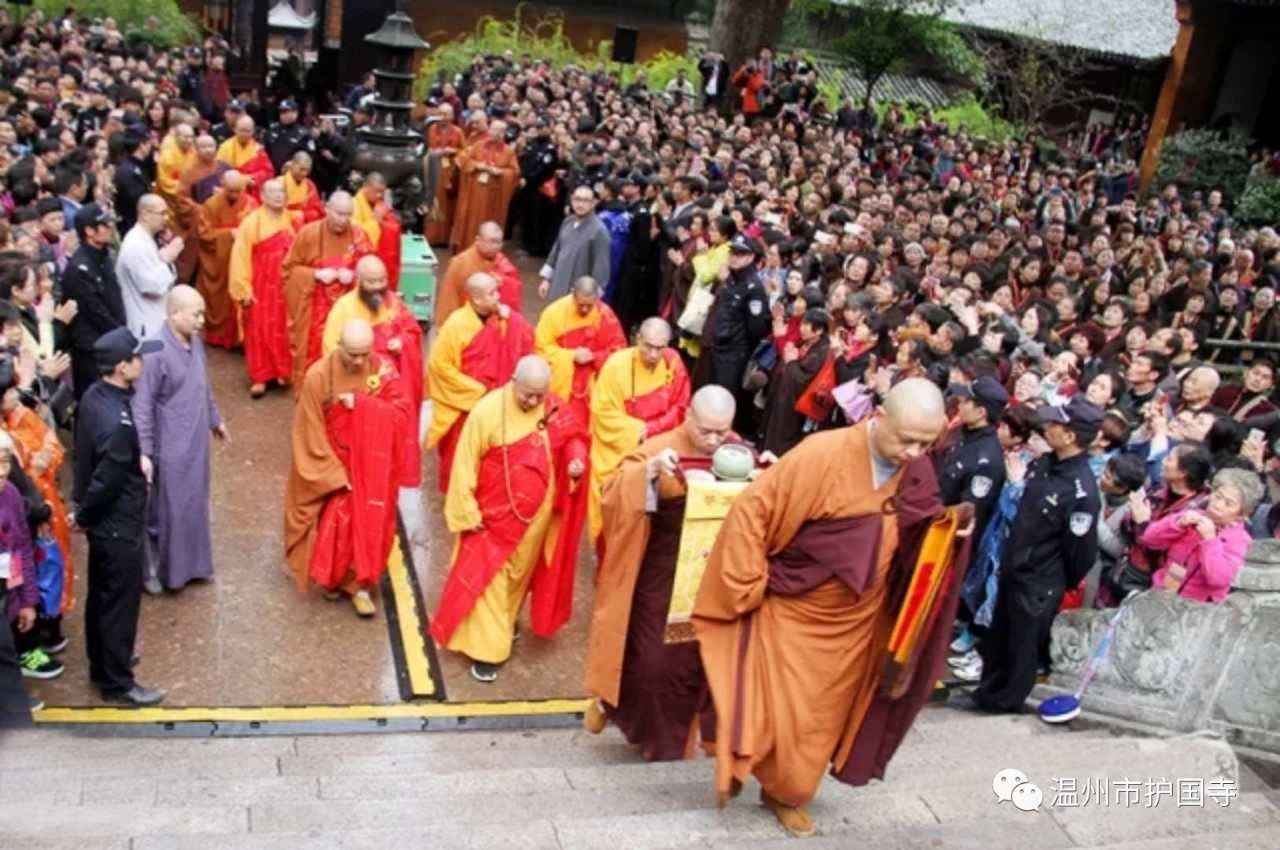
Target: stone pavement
[562,789]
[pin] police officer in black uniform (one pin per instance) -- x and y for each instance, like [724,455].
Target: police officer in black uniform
[973,469]
[1052,545]
[738,320]
[542,209]
[90,281]
[111,501]
[286,137]
[226,128]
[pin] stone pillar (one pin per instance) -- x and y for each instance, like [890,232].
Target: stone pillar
[1192,75]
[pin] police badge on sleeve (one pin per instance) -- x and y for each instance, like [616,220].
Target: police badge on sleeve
[980,486]
[1080,523]
[756,307]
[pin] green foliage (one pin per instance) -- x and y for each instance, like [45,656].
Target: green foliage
[1203,160]
[171,28]
[662,68]
[982,121]
[1259,206]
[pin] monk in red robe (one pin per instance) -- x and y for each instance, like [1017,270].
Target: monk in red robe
[801,593]
[243,153]
[444,144]
[302,197]
[576,334]
[483,257]
[655,692]
[216,227]
[257,285]
[490,173]
[372,214]
[475,352]
[320,269]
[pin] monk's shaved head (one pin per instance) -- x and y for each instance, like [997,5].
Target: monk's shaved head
[340,201]
[206,147]
[709,421]
[656,331]
[273,194]
[530,382]
[369,265]
[234,181]
[356,337]
[184,309]
[713,400]
[337,211]
[586,286]
[182,297]
[489,240]
[482,292]
[151,204]
[374,178]
[911,419]
[301,158]
[915,395]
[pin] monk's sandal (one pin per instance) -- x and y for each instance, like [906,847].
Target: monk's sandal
[482,672]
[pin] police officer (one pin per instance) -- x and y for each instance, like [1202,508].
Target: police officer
[226,128]
[973,469]
[286,137]
[542,208]
[1052,545]
[591,170]
[738,320]
[90,281]
[110,494]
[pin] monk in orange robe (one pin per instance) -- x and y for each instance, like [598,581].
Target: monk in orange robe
[800,596]
[177,154]
[302,197]
[243,153]
[483,257]
[216,227]
[372,214]
[655,692]
[444,143]
[319,269]
[198,183]
[490,173]
[475,352]
[340,501]
[257,285]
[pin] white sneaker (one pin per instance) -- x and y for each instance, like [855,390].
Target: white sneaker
[968,672]
[963,659]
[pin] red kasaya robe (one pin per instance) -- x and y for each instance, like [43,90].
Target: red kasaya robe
[665,407]
[266,332]
[551,591]
[603,338]
[408,363]
[324,296]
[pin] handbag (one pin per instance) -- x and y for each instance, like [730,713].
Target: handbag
[50,569]
[1125,578]
[854,399]
[694,316]
[816,402]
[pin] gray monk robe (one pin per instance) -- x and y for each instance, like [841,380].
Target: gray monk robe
[175,413]
[580,249]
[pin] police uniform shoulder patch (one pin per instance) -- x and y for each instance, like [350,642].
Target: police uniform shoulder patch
[1080,523]
[755,306]
[980,486]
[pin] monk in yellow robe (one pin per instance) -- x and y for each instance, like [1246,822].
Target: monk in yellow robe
[301,196]
[654,692]
[484,256]
[257,285]
[372,213]
[475,352]
[576,334]
[490,173]
[177,154]
[444,143]
[216,227]
[499,503]
[243,153]
[640,392]
[799,598]
[196,185]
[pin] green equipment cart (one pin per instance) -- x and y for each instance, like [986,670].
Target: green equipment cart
[418,276]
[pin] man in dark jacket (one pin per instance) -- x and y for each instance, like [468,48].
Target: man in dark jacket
[90,281]
[133,178]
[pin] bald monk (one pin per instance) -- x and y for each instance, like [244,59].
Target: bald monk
[640,392]
[396,337]
[483,256]
[576,334]
[177,154]
[216,227]
[302,197]
[799,597]
[373,214]
[243,153]
[444,143]
[488,180]
[475,351]
[499,503]
[257,285]
[340,501]
[196,185]
[319,269]
[651,690]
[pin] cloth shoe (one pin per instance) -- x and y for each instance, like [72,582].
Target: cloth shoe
[363,603]
[593,719]
[257,391]
[153,586]
[794,819]
[483,672]
[37,665]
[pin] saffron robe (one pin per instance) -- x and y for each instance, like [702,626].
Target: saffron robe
[171,164]
[384,234]
[561,330]
[216,227]
[197,185]
[302,199]
[630,400]
[257,258]
[471,357]
[251,160]
[654,692]
[795,612]
[443,137]
[31,436]
[452,290]
[483,196]
[307,301]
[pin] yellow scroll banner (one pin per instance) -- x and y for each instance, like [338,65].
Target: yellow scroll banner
[706,506]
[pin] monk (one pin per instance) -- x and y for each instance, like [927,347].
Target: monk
[640,392]
[483,256]
[319,269]
[302,197]
[576,334]
[340,501]
[653,691]
[499,504]
[396,338]
[475,352]
[444,143]
[197,184]
[489,176]
[257,285]
[799,598]
[216,227]
[374,215]
[243,153]
[177,154]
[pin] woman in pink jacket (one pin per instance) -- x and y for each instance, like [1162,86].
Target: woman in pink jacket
[1205,549]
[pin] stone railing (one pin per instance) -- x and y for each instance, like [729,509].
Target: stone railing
[1184,666]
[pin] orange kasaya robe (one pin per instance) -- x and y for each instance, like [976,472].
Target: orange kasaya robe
[307,301]
[197,185]
[337,536]
[655,692]
[302,199]
[257,258]
[216,226]
[471,357]
[442,137]
[795,611]
[251,160]
[382,225]
[483,196]
[30,434]
[451,292]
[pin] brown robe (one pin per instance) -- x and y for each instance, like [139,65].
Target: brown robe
[793,644]
[654,691]
[482,196]
[195,186]
[444,134]
[451,293]
[315,243]
[216,226]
